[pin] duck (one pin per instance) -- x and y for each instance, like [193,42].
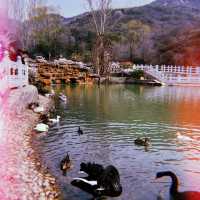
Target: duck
[142,141]
[174,193]
[65,164]
[183,137]
[100,181]
[63,97]
[41,127]
[54,121]
[80,131]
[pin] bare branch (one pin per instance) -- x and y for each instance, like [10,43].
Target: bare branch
[93,12]
[100,11]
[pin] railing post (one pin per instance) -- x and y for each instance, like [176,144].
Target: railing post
[173,74]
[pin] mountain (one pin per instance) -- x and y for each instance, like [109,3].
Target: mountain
[173,3]
[172,23]
[167,32]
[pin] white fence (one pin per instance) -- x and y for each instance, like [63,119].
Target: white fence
[12,74]
[172,75]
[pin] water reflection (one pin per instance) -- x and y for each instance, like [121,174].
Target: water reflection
[112,117]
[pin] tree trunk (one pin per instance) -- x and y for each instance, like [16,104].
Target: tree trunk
[101,55]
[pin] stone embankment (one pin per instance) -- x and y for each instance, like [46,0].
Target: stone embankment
[129,80]
[21,175]
[49,74]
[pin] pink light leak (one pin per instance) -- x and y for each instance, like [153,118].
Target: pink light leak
[7,36]
[6,30]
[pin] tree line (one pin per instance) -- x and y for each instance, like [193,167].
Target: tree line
[42,31]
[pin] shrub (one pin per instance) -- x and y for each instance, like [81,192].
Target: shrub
[137,74]
[41,87]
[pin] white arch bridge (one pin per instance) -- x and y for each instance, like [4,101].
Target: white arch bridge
[172,75]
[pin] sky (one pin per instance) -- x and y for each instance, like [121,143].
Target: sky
[69,8]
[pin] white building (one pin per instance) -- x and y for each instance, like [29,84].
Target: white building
[12,74]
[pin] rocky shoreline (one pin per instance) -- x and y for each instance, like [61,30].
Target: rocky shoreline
[22,175]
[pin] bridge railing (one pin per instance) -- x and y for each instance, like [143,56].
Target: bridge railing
[172,74]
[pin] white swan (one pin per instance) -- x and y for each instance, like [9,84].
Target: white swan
[183,137]
[52,94]
[57,120]
[41,127]
[39,109]
[48,95]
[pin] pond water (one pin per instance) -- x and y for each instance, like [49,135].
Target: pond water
[112,117]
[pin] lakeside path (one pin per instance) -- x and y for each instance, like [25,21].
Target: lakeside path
[21,174]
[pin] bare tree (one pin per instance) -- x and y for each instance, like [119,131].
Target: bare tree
[12,17]
[29,24]
[100,11]
[21,9]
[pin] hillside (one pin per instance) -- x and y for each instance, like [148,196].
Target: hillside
[187,3]
[171,23]
[163,32]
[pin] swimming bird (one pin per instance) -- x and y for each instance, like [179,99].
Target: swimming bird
[52,91]
[57,120]
[51,94]
[63,97]
[48,95]
[86,185]
[41,127]
[183,137]
[80,131]
[65,164]
[39,109]
[100,181]
[142,141]
[93,170]
[174,193]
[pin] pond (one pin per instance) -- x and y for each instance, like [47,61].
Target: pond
[112,117]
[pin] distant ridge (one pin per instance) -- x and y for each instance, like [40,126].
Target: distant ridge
[174,36]
[187,3]
[175,31]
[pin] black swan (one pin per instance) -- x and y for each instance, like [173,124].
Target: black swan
[189,195]
[65,164]
[80,132]
[100,181]
[93,170]
[142,141]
